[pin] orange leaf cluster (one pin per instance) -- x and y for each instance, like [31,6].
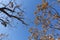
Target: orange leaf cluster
[44,5]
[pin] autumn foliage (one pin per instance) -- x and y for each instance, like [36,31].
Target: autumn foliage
[45,14]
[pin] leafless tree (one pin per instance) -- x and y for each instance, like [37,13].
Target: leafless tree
[9,10]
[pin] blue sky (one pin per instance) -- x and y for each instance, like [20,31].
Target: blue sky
[20,32]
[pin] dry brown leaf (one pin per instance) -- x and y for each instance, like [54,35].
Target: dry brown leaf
[48,22]
[35,12]
[30,30]
[51,39]
[58,38]
[44,38]
[44,6]
[43,26]
[35,35]
[11,5]
[36,20]
[38,7]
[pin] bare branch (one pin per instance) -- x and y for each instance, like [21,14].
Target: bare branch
[2,10]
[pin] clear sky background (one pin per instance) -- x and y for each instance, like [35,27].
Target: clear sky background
[20,32]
